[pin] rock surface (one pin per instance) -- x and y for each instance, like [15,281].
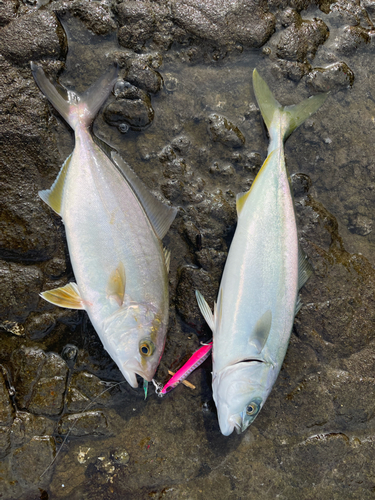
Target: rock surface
[181,63]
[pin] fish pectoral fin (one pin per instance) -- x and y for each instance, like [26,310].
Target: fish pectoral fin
[116,284]
[305,269]
[260,333]
[66,296]
[160,215]
[205,310]
[53,196]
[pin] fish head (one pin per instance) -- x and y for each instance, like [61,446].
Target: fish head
[138,332]
[240,391]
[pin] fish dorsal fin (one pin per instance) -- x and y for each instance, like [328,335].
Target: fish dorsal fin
[240,201]
[262,328]
[305,269]
[53,196]
[66,296]
[116,284]
[160,215]
[205,310]
[167,258]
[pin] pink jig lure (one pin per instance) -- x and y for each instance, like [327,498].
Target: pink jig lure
[196,360]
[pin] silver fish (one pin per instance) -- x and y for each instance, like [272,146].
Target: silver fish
[258,295]
[114,228]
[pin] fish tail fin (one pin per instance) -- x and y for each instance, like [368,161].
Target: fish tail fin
[282,120]
[77,109]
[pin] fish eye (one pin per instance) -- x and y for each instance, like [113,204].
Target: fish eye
[252,409]
[146,348]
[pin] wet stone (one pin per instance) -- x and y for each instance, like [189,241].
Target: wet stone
[302,39]
[222,130]
[144,77]
[8,11]
[48,392]
[97,16]
[244,22]
[39,325]
[5,444]
[27,364]
[294,70]
[334,77]
[19,286]
[93,423]
[351,39]
[6,407]
[134,110]
[69,355]
[26,425]
[360,224]
[31,460]
[85,388]
[48,40]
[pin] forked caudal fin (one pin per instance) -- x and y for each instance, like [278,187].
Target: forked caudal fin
[282,120]
[77,109]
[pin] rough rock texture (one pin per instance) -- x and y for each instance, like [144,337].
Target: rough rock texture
[187,61]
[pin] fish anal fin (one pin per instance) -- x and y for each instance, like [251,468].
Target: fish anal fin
[305,269]
[53,196]
[160,215]
[66,296]
[205,310]
[116,284]
[260,333]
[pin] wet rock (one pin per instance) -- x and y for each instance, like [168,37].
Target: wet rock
[39,325]
[32,459]
[360,224]
[334,77]
[221,22]
[85,388]
[337,297]
[181,144]
[48,40]
[8,11]
[139,21]
[86,423]
[5,444]
[212,261]
[144,77]
[6,407]
[26,425]
[302,39]
[222,170]
[120,456]
[69,355]
[48,392]
[191,279]
[343,12]
[132,107]
[222,130]
[19,286]
[97,16]
[27,364]
[252,161]
[293,69]
[172,189]
[351,39]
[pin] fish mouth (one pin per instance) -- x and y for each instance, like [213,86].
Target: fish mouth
[130,373]
[248,360]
